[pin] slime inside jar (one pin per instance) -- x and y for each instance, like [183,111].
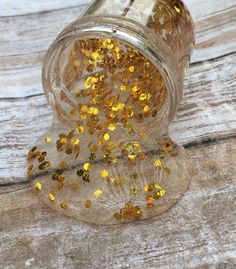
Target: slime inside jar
[107,157]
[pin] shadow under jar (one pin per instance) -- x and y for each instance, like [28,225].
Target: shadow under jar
[114,78]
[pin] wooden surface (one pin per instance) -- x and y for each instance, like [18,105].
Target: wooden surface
[199,232]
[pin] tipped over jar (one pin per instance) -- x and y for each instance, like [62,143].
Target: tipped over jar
[114,78]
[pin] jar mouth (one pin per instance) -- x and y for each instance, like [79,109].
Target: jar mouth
[135,35]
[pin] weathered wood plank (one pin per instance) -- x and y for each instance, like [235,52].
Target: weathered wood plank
[202,8]
[23,43]
[22,50]
[10,8]
[199,232]
[215,35]
[208,110]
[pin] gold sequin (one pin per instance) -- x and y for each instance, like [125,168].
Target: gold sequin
[64,205]
[167,147]
[52,196]
[106,137]
[111,127]
[80,129]
[143,97]
[48,139]
[88,203]
[75,141]
[134,191]
[86,166]
[97,193]
[135,88]
[38,186]
[122,87]
[158,163]
[104,173]
[131,69]
[146,108]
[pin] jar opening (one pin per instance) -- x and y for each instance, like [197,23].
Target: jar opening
[74,57]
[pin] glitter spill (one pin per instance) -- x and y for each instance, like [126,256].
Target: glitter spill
[107,157]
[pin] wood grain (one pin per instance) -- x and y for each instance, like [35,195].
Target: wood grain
[22,52]
[199,232]
[208,110]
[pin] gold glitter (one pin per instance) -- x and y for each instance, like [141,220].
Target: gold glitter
[97,193]
[167,147]
[177,9]
[111,127]
[106,137]
[38,186]
[158,163]
[150,204]
[137,212]
[64,205]
[122,87]
[118,107]
[30,167]
[107,43]
[160,193]
[134,191]
[93,111]
[48,139]
[143,97]
[101,141]
[135,89]
[89,82]
[86,166]
[80,129]
[44,165]
[88,203]
[63,140]
[131,69]
[104,173]
[146,108]
[114,160]
[167,170]
[75,141]
[97,56]
[52,196]
[131,156]
[98,111]
[117,216]
[149,198]
[128,212]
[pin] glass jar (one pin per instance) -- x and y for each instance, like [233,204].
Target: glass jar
[114,78]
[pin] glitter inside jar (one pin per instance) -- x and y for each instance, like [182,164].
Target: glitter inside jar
[115,82]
